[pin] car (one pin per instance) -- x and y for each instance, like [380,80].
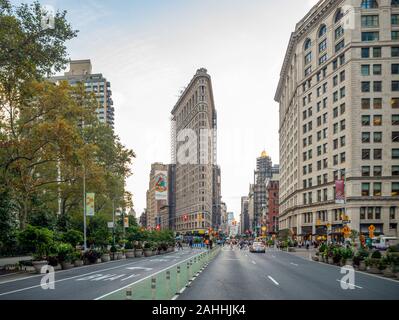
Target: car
[383,243]
[257,247]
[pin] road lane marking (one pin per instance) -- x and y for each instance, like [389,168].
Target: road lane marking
[115,278]
[349,284]
[139,268]
[80,275]
[129,277]
[253,262]
[274,281]
[294,264]
[273,256]
[145,278]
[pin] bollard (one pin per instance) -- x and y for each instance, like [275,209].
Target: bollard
[153,287]
[191,269]
[129,294]
[168,282]
[188,274]
[178,280]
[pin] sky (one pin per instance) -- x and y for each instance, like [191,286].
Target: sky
[150,49]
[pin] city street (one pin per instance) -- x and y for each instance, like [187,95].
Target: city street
[277,275]
[93,281]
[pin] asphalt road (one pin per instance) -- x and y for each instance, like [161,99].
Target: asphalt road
[90,282]
[277,275]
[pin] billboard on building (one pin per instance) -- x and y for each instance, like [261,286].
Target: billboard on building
[161,185]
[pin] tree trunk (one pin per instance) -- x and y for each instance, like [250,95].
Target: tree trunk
[23,214]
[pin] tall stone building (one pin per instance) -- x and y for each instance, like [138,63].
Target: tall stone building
[339,119]
[216,198]
[244,217]
[81,71]
[194,153]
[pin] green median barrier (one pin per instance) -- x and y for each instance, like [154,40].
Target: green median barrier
[166,284]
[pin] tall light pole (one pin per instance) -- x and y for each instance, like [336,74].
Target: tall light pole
[84,207]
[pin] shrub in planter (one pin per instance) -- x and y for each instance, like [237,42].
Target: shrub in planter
[74,237]
[129,250]
[372,265]
[138,249]
[38,241]
[64,254]
[337,255]
[347,255]
[92,256]
[113,252]
[148,249]
[77,258]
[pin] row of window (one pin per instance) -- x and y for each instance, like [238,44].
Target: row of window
[377,137]
[377,103]
[377,154]
[377,69]
[375,36]
[377,120]
[377,171]
[373,21]
[377,52]
[374,213]
[377,86]
[376,189]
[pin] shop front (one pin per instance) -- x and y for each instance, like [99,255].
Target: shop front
[306,234]
[336,234]
[379,229]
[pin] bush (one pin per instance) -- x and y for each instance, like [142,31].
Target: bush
[394,248]
[36,240]
[129,245]
[64,251]
[148,245]
[73,237]
[92,255]
[322,248]
[376,254]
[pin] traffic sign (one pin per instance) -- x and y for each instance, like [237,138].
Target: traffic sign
[346,230]
[372,228]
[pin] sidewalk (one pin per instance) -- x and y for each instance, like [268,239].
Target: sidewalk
[12,260]
[304,253]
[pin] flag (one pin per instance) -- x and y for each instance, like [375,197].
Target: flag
[339,191]
[89,204]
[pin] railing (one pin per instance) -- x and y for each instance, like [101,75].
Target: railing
[167,283]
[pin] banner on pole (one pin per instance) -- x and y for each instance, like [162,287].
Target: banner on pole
[89,204]
[339,192]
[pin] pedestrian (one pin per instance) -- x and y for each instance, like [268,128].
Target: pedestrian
[190,242]
[210,244]
[179,246]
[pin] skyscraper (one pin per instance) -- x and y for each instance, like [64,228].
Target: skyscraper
[339,115]
[81,71]
[194,153]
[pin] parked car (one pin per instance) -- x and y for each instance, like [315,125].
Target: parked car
[257,247]
[383,243]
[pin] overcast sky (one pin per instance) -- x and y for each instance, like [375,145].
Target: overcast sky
[150,49]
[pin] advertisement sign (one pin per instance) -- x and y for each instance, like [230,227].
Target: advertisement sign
[126,222]
[339,192]
[89,204]
[161,185]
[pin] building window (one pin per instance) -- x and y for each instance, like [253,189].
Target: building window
[365,103]
[395,119]
[365,137]
[365,120]
[377,86]
[365,69]
[377,52]
[377,69]
[323,46]
[369,4]
[362,213]
[366,52]
[395,68]
[395,136]
[395,153]
[377,154]
[377,171]
[395,35]
[377,137]
[365,86]
[395,85]
[395,189]
[377,103]
[339,32]
[377,120]
[377,187]
[322,30]
[395,103]
[395,52]
[365,154]
[392,213]
[308,58]
[340,46]
[322,59]
[338,15]
[370,213]
[308,44]
[365,171]
[370,21]
[365,189]
[371,36]
[395,171]
[378,213]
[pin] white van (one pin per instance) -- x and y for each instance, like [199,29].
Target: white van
[383,243]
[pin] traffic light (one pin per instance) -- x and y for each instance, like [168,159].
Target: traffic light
[158,227]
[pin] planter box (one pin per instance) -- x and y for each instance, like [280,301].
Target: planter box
[119,255]
[374,270]
[66,265]
[78,263]
[98,260]
[130,253]
[362,266]
[38,265]
[105,258]
[315,258]
[138,253]
[114,256]
[330,260]
[348,262]
[388,272]
[148,253]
